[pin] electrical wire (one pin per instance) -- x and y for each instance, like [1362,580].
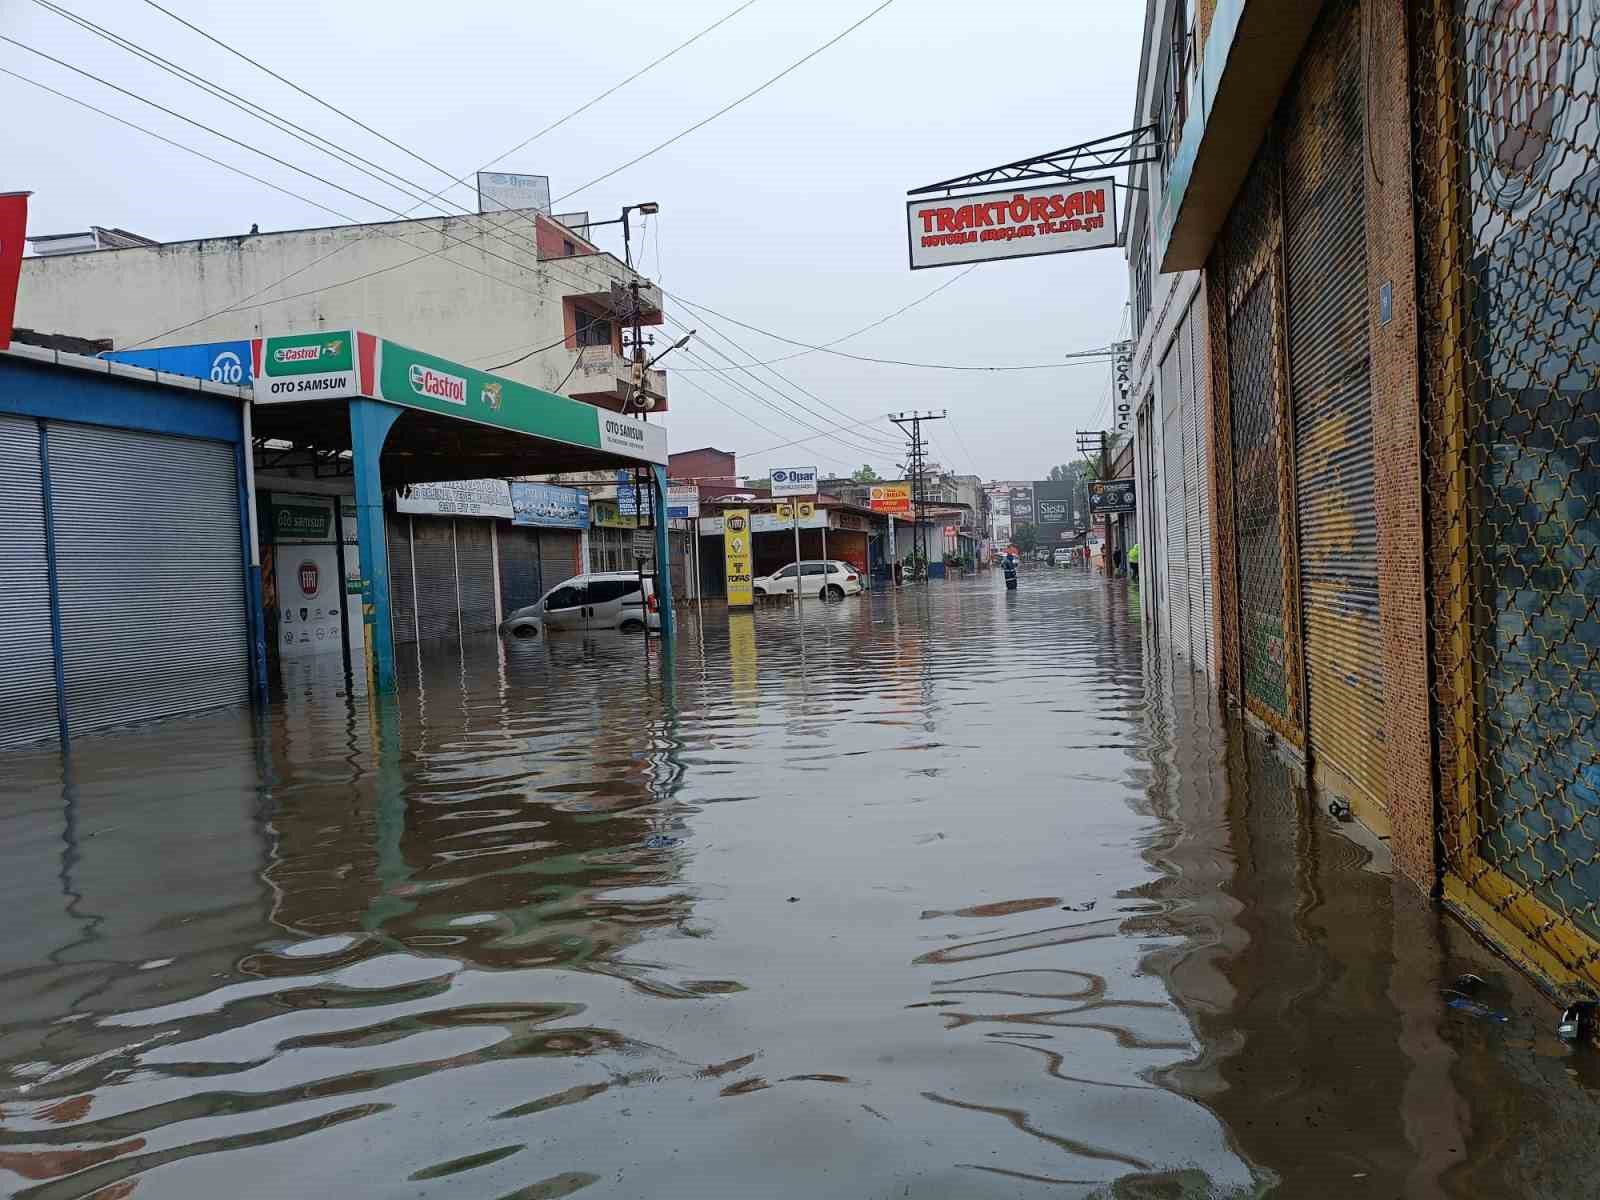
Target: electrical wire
[434,196]
[812,437]
[726,108]
[904,308]
[1077,358]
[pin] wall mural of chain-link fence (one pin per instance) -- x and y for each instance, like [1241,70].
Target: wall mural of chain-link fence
[1507,154]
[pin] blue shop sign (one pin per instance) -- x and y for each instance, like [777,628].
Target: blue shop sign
[548,506]
[220,362]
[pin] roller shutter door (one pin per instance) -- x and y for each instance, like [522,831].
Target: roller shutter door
[27,659]
[151,575]
[433,548]
[521,573]
[402,593]
[1196,479]
[1176,586]
[558,555]
[1325,267]
[475,575]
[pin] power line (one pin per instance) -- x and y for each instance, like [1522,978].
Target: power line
[1077,358]
[811,438]
[713,330]
[431,198]
[904,308]
[726,108]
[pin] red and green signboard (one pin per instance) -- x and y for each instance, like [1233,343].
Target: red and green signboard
[327,365]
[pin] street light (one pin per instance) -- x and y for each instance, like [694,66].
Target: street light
[650,208]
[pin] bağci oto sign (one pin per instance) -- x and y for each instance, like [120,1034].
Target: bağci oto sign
[1015,223]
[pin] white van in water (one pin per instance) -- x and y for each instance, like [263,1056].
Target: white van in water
[603,600]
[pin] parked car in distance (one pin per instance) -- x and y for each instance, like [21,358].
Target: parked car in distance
[826,579]
[1063,556]
[602,600]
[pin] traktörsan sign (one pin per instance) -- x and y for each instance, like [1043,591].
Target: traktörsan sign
[1016,223]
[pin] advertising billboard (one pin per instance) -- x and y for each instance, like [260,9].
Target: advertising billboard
[1053,504]
[1014,223]
[683,503]
[500,190]
[891,498]
[1110,496]
[1022,506]
[794,481]
[737,554]
[548,507]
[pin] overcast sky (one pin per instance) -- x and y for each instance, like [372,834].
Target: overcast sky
[786,213]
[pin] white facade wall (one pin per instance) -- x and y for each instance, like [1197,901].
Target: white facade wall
[1171,298]
[459,287]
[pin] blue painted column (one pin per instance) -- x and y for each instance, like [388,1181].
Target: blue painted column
[370,422]
[663,562]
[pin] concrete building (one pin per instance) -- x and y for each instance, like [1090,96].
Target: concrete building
[1393,210]
[1167,370]
[514,292]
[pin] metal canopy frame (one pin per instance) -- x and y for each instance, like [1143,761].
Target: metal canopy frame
[1125,149]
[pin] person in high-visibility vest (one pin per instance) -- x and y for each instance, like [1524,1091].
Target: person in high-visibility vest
[1133,562]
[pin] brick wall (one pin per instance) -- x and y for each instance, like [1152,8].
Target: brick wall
[1396,418]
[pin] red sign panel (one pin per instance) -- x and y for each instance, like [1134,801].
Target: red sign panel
[13,228]
[309,577]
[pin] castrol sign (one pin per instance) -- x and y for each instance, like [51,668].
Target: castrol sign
[1015,223]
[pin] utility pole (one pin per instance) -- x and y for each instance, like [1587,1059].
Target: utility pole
[1090,440]
[916,466]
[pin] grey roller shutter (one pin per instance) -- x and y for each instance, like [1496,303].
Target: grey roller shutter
[1198,573]
[402,595]
[558,555]
[438,605]
[27,658]
[475,570]
[520,574]
[1176,591]
[151,575]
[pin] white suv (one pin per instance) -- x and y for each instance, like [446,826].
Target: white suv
[825,579]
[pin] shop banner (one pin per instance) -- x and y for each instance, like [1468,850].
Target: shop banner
[549,507]
[736,553]
[683,503]
[459,498]
[220,362]
[298,518]
[1015,223]
[304,366]
[892,498]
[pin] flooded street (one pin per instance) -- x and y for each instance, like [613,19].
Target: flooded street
[960,895]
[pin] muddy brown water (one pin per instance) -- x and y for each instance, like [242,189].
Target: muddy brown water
[968,895]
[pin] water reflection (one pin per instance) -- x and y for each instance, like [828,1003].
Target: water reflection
[963,896]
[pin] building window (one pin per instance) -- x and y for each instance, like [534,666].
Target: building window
[1141,283]
[592,330]
[567,248]
[1181,64]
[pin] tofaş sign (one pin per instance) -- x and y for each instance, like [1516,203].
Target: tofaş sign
[1016,223]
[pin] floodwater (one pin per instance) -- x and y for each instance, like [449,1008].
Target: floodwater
[965,895]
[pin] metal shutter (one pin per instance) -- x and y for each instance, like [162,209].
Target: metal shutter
[27,658]
[558,555]
[433,545]
[402,592]
[1325,270]
[151,575]
[475,574]
[1176,586]
[521,579]
[1197,479]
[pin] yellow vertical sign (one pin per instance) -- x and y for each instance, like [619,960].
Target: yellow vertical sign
[736,552]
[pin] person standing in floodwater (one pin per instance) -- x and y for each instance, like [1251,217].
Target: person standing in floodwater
[1008,564]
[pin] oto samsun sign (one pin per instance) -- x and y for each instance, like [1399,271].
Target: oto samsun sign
[1015,223]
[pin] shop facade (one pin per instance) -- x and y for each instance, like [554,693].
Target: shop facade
[132,587]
